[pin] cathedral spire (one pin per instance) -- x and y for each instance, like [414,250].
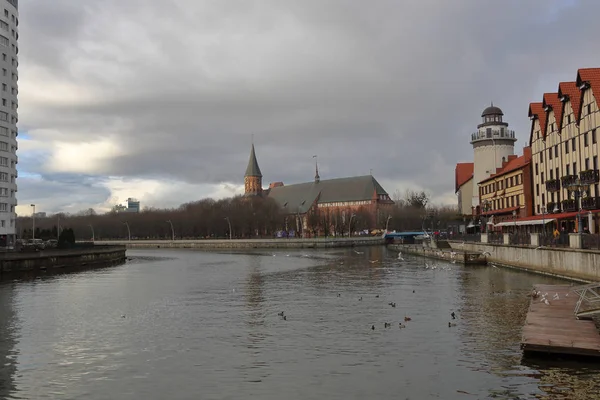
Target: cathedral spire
[317,177]
[253,176]
[253,169]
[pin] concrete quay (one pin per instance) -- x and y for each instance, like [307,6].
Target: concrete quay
[212,244]
[575,264]
[459,256]
[54,260]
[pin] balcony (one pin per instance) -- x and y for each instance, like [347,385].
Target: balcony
[550,206]
[553,185]
[589,177]
[568,180]
[590,203]
[495,134]
[569,205]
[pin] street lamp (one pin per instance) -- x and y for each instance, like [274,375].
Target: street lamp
[577,188]
[349,225]
[486,206]
[543,209]
[128,230]
[93,235]
[229,223]
[33,222]
[387,222]
[172,230]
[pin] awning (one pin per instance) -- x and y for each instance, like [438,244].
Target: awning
[527,222]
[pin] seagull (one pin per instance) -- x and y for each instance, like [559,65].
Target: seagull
[401,325]
[359,252]
[546,302]
[451,324]
[280,314]
[555,297]
[453,315]
[486,253]
[374,261]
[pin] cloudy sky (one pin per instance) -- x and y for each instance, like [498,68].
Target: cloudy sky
[159,99]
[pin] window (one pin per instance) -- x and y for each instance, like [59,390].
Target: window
[4,132]
[595,162]
[589,109]
[585,139]
[556,151]
[3,207]
[567,170]
[574,168]
[573,144]
[537,189]
[550,153]
[587,164]
[551,175]
[567,147]
[543,177]
[593,136]
[543,199]
[3,177]
[6,13]
[556,173]
[3,41]
[536,169]
[3,116]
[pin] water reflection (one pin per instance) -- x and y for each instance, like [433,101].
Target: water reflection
[8,337]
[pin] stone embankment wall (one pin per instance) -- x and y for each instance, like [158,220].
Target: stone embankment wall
[49,260]
[570,263]
[249,243]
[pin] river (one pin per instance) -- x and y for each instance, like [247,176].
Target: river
[178,324]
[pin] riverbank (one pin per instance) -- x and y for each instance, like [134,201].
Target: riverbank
[211,244]
[53,260]
[463,257]
[575,264]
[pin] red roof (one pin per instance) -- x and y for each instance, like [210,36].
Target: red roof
[463,173]
[591,76]
[563,215]
[512,165]
[501,211]
[536,111]
[553,101]
[570,91]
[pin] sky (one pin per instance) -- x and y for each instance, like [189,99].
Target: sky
[160,99]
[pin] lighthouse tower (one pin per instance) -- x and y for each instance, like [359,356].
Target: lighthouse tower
[492,144]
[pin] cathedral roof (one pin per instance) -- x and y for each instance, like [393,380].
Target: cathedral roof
[253,169]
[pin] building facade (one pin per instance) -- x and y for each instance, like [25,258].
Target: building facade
[9,36]
[463,187]
[564,142]
[332,202]
[506,195]
[492,144]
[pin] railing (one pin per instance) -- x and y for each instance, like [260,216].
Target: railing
[548,240]
[568,180]
[467,237]
[553,185]
[590,203]
[496,237]
[590,241]
[589,177]
[495,134]
[520,239]
[569,205]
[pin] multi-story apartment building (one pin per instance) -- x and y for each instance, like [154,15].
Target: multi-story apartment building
[9,36]
[506,195]
[565,149]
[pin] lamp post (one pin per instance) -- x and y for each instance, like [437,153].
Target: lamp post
[128,230]
[93,235]
[577,188]
[172,230]
[387,223]
[33,222]
[229,223]
[486,206]
[543,209]
[350,225]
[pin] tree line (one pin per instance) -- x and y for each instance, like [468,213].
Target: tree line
[240,217]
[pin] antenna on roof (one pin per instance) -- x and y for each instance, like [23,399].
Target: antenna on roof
[492,103]
[371,171]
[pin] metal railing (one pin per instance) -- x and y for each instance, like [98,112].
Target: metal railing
[590,241]
[520,239]
[496,237]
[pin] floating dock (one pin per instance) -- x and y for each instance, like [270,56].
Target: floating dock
[554,328]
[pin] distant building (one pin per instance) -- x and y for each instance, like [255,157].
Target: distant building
[463,182]
[133,205]
[332,200]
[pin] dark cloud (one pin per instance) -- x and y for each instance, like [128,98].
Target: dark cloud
[396,87]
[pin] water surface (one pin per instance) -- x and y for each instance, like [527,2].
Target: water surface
[176,324]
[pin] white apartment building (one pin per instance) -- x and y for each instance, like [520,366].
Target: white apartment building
[9,36]
[565,148]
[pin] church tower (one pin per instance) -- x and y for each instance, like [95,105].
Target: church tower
[253,176]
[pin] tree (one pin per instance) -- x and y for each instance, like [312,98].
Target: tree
[416,199]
